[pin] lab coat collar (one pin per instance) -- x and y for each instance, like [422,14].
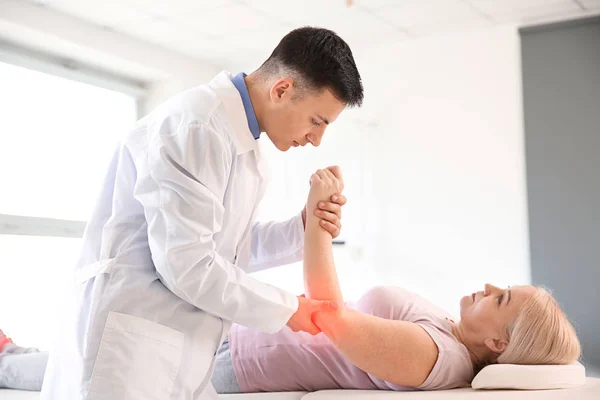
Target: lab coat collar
[229,95]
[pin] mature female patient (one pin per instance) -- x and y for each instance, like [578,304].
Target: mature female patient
[392,338]
[389,339]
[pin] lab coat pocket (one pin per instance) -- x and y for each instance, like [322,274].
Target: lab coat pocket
[137,360]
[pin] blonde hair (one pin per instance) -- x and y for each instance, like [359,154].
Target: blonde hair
[541,334]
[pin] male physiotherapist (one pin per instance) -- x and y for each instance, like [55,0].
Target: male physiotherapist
[163,271]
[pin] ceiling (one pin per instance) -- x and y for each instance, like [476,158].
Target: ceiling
[230,32]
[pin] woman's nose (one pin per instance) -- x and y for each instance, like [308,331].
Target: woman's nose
[487,289]
[490,289]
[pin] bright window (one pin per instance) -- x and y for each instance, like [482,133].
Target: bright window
[57,139]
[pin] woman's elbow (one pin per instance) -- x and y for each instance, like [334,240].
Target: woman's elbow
[331,323]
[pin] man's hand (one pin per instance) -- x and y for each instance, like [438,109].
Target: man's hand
[330,212]
[302,319]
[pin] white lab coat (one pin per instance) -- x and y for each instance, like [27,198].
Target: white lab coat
[162,271]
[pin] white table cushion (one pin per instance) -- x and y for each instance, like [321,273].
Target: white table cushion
[589,391]
[264,396]
[6,394]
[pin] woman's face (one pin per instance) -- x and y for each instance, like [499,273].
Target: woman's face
[488,313]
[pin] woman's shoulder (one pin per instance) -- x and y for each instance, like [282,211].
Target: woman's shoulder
[453,367]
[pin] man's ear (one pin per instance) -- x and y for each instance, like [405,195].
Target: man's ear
[497,346]
[282,89]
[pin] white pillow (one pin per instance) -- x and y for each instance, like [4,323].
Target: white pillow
[530,377]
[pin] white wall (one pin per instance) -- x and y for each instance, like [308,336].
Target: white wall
[448,164]
[161,90]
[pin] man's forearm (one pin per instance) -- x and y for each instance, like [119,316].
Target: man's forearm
[276,243]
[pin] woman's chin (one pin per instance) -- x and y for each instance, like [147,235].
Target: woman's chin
[465,302]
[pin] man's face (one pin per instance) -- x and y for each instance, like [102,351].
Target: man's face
[297,119]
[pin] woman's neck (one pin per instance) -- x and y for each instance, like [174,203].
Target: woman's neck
[479,353]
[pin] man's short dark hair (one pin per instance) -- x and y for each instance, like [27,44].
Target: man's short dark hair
[321,59]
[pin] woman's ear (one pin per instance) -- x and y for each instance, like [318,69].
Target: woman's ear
[496,345]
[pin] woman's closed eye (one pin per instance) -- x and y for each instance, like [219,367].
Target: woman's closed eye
[500,298]
[315,122]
